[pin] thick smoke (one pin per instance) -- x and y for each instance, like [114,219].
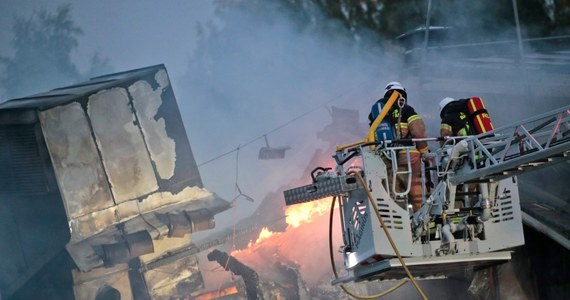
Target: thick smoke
[255,66]
[258,66]
[259,70]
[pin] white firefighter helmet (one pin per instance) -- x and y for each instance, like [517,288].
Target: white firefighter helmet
[445,101]
[394,85]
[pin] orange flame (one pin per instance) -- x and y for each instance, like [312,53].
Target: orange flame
[301,246]
[214,295]
[264,234]
[298,214]
[295,216]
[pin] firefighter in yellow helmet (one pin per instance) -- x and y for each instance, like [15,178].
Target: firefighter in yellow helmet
[407,124]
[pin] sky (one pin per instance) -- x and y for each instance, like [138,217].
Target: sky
[130,33]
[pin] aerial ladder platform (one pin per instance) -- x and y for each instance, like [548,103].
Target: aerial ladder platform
[470,217]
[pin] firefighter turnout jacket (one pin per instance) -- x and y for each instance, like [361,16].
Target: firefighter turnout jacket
[407,124]
[455,121]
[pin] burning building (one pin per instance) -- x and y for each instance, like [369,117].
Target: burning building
[100,192]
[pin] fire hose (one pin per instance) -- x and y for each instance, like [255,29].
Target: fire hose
[408,273]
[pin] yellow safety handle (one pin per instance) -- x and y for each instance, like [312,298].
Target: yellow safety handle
[370,138]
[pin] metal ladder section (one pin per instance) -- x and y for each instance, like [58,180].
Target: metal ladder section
[516,148]
[392,153]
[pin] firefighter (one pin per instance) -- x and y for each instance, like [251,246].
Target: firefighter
[407,124]
[454,118]
[456,121]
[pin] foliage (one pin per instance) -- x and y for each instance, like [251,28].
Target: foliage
[43,45]
[481,18]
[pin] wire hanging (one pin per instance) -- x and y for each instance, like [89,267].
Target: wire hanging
[239,192]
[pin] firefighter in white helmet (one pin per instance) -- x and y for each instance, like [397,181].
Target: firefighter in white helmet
[407,124]
[454,118]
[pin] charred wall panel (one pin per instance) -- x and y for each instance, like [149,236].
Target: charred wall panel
[164,123]
[32,217]
[118,143]
[146,101]
[21,169]
[123,150]
[102,283]
[76,162]
[177,279]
